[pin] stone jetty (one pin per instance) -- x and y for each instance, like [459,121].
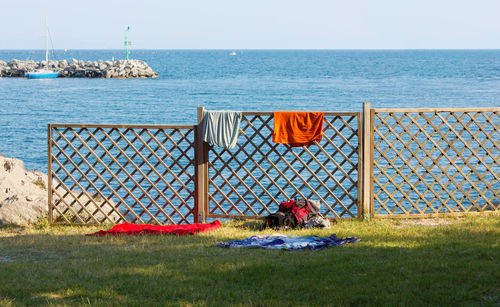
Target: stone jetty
[81,69]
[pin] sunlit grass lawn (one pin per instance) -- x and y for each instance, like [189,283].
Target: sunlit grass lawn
[396,263]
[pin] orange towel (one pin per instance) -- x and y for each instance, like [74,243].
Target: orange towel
[298,128]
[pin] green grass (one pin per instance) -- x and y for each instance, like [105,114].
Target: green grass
[456,263]
[39,182]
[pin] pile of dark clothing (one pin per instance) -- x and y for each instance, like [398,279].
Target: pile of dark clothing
[295,213]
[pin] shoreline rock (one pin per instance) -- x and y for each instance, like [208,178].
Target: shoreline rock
[24,195]
[79,69]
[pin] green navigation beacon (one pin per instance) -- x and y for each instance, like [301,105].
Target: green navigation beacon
[127,42]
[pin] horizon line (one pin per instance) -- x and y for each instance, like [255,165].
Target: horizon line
[257,49]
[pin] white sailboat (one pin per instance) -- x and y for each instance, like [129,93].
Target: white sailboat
[44,72]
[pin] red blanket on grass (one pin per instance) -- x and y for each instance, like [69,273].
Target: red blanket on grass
[135,229]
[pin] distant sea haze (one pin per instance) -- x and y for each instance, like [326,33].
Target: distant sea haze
[249,80]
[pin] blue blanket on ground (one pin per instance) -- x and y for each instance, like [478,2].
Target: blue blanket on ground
[288,242]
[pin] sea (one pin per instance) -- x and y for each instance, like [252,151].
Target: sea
[250,80]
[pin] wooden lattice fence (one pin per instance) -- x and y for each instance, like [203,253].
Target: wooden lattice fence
[433,161]
[251,179]
[386,163]
[121,173]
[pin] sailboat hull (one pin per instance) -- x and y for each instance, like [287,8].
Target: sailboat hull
[41,75]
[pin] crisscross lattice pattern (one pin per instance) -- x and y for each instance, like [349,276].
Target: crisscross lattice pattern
[251,179]
[436,161]
[117,173]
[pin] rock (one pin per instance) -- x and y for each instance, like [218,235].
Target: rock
[24,197]
[79,73]
[21,201]
[62,64]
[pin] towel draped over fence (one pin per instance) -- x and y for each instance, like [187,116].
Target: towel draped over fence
[298,128]
[221,128]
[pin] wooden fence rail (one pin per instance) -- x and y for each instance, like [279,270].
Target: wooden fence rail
[376,163]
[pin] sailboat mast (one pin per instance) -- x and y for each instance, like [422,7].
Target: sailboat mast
[46,41]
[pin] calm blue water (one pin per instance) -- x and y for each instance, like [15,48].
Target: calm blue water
[250,81]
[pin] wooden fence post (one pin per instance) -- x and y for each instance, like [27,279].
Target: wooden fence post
[49,172]
[201,172]
[367,162]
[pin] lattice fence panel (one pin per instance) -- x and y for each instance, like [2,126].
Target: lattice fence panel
[251,179]
[112,174]
[442,161]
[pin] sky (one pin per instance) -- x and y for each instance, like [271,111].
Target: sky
[252,24]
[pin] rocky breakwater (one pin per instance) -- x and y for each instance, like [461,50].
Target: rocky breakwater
[81,69]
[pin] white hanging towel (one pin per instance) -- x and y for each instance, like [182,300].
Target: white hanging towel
[221,128]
